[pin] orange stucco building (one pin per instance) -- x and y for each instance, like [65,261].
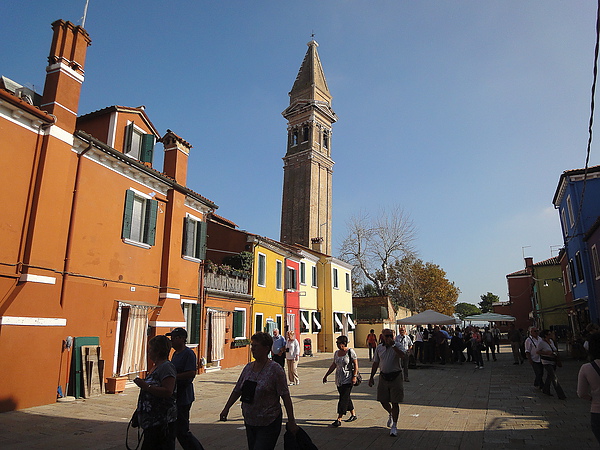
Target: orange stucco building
[96,244]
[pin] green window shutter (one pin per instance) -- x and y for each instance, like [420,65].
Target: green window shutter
[150,223]
[195,328]
[147,148]
[127,214]
[238,324]
[188,236]
[128,138]
[201,240]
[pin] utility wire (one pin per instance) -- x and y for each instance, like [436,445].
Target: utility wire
[591,123]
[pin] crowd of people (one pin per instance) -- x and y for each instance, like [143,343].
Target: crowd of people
[166,393]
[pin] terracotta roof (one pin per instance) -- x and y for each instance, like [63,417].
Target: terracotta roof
[139,109]
[11,98]
[519,272]
[568,173]
[178,138]
[548,262]
[223,220]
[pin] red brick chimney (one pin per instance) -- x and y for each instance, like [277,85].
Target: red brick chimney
[177,151]
[529,264]
[65,74]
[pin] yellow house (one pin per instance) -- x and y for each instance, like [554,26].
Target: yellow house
[334,299]
[268,288]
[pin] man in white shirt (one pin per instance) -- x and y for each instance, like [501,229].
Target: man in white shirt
[531,347]
[390,389]
[404,343]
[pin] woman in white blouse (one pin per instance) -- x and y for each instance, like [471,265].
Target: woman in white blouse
[292,354]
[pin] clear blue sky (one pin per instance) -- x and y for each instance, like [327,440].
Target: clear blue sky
[463,113]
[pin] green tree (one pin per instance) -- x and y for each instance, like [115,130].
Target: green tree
[486,302]
[466,309]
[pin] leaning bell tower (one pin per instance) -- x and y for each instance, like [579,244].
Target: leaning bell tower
[307,165]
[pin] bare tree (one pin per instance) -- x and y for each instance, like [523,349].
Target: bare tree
[372,244]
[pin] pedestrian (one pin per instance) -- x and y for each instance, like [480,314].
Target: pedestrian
[496,335]
[514,336]
[457,344]
[371,343]
[390,387]
[476,347]
[262,387]
[531,346]
[588,382]
[156,407]
[550,359]
[345,364]
[404,342]
[419,344]
[278,349]
[292,354]
[488,339]
[467,340]
[184,360]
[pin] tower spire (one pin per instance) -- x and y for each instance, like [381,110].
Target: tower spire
[306,204]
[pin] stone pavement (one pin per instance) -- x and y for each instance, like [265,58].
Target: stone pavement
[451,406]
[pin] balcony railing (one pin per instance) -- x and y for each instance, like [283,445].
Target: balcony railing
[227,283]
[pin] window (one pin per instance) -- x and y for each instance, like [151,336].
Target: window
[294,138]
[291,279]
[194,238]
[139,218]
[565,226]
[305,134]
[138,145]
[279,321]
[572,272]
[596,262]
[335,278]
[570,209]
[239,323]
[262,269]
[304,322]
[291,322]
[579,267]
[325,139]
[566,280]
[278,275]
[338,324]
[258,322]
[347,282]
[316,321]
[302,273]
[191,312]
[314,277]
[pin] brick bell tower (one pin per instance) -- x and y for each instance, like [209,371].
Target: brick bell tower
[307,165]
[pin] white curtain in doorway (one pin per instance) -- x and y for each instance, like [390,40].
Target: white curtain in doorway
[134,347]
[217,335]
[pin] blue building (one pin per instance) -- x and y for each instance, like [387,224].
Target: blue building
[577,199]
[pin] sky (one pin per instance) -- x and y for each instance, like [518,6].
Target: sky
[463,113]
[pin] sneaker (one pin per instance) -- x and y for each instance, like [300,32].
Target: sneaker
[351,419]
[481,367]
[390,421]
[336,423]
[394,431]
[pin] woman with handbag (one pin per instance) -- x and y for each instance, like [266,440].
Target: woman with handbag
[549,355]
[156,408]
[261,387]
[345,365]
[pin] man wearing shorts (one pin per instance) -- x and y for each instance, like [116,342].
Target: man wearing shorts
[390,388]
